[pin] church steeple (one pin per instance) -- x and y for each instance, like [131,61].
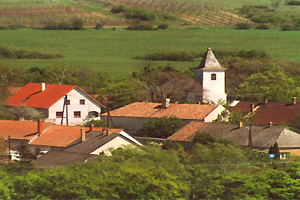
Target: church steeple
[211,75]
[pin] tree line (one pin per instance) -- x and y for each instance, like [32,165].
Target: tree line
[209,169]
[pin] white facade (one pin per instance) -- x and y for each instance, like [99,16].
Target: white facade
[213,86]
[77,111]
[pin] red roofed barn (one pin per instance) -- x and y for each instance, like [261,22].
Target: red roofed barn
[66,104]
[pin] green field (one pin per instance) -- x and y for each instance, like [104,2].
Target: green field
[112,51]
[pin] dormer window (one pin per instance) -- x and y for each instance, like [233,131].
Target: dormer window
[213,77]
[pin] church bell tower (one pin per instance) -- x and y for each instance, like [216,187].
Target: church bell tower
[211,75]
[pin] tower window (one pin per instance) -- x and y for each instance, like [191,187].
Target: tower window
[213,77]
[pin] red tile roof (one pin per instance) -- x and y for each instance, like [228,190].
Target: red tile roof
[187,131]
[23,130]
[32,96]
[58,136]
[154,110]
[278,113]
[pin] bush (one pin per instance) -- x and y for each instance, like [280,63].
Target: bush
[171,56]
[3,27]
[262,26]
[140,13]
[98,26]
[147,27]
[293,3]
[243,26]
[15,27]
[77,24]
[161,128]
[286,27]
[118,9]
[162,26]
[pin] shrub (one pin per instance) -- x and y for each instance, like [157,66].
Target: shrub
[118,9]
[64,26]
[140,13]
[286,27]
[262,26]
[15,27]
[162,26]
[161,128]
[170,56]
[147,27]
[98,26]
[3,27]
[77,24]
[243,26]
[293,3]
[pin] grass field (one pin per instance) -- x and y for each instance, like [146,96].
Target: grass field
[112,51]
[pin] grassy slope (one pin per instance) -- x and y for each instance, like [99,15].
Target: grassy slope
[112,51]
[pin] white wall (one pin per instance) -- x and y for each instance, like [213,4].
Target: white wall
[74,96]
[214,114]
[214,90]
[117,142]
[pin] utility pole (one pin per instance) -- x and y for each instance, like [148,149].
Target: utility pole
[250,138]
[9,147]
[62,117]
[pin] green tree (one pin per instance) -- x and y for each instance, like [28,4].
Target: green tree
[161,128]
[273,84]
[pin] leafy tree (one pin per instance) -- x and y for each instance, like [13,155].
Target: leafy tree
[23,112]
[273,84]
[168,82]
[160,128]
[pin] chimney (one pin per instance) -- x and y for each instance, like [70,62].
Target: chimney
[294,100]
[251,107]
[265,100]
[270,124]
[82,135]
[92,126]
[166,103]
[106,131]
[43,86]
[39,127]
[240,124]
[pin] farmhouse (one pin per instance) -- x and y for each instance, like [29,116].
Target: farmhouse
[60,104]
[262,136]
[266,112]
[132,116]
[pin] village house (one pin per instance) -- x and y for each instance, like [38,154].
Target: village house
[266,112]
[132,116]
[42,137]
[262,136]
[60,104]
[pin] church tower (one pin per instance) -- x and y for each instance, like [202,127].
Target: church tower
[211,75]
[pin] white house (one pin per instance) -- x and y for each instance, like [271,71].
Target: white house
[60,104]
[211,75]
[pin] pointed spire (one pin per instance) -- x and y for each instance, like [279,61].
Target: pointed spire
[209,62]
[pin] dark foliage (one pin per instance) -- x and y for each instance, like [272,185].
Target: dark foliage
[162,26]
[77,24]
[171,56]
[243,26]
[6,53]
[143,27]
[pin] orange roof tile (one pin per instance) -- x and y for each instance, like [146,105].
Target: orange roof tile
[187,131]
[154,110]
[32,96]
[278,113]
[58,136]
[62,136]
[23,130]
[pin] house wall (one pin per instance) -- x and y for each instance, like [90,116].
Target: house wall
[214,114]
[74,96]
[117,142]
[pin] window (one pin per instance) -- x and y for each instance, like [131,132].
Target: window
[68,102]
[213,77]
[59,114]
[77,114]
[82,102]
[93,114]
